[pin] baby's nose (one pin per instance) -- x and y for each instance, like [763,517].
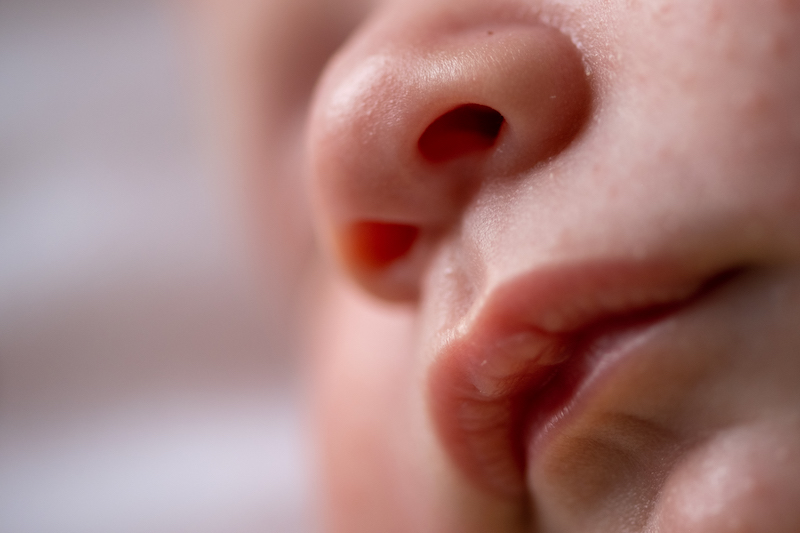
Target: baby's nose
[418,114]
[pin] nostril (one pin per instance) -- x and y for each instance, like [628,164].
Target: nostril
[377,244]
[465,130]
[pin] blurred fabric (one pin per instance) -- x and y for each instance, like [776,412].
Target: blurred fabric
[146,372]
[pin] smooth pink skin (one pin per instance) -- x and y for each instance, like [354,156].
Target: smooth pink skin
[676,155]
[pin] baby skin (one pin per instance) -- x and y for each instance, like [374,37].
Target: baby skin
[562,291]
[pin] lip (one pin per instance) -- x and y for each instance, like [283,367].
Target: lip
[512,367]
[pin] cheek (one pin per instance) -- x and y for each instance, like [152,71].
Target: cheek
[746,480]
[379,470]
[359,350]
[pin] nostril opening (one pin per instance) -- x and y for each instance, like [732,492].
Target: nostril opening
[377,244]
[465,130]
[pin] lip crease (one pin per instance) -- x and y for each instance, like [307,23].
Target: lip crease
[511,368]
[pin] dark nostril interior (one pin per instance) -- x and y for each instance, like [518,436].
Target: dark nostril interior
[376,244]
[465,130]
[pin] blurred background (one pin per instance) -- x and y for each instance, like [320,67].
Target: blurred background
[147,368]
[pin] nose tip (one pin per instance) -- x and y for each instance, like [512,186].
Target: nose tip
[403,132]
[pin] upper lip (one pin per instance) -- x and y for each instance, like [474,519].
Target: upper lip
[507,347]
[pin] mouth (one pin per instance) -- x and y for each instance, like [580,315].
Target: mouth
[510,371]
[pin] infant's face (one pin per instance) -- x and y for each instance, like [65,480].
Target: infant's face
[597,259]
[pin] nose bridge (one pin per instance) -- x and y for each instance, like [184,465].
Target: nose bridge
[403,132]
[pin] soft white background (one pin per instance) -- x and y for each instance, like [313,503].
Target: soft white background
[146,377]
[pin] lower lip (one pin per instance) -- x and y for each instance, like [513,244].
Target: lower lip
[595,354]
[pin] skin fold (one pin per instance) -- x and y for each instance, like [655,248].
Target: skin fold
[584,319]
